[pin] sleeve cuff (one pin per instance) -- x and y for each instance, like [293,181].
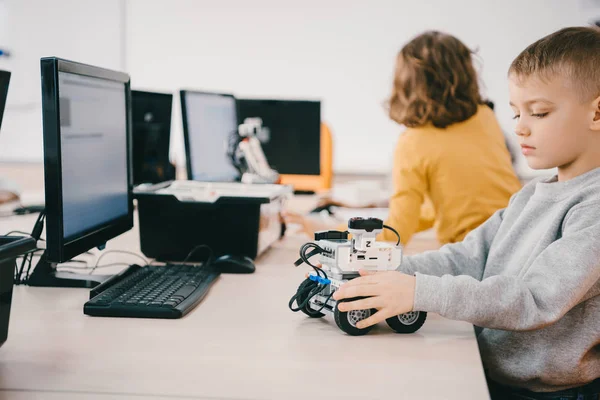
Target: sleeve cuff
[429,294]
[405,266]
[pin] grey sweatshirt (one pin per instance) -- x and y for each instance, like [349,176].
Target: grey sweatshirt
[528,279]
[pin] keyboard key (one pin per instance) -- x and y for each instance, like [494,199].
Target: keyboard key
[185,291]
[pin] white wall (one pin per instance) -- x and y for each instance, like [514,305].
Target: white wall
[88,31]
[339,51]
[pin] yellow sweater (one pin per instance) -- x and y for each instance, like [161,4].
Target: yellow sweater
[453,178]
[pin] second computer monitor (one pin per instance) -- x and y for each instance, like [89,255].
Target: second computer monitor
[151,115]
[294,143]
[209,121]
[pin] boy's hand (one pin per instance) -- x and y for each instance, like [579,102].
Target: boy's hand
[390,292]
[308,225]
[294,218]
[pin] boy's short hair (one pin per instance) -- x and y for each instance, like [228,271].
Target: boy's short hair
[573,53]
[435,81]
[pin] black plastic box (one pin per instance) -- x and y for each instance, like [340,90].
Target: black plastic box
[11,247]
[171,226]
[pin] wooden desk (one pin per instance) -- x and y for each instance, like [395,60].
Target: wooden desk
[241,342]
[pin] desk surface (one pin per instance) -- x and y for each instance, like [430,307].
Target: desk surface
[241,342]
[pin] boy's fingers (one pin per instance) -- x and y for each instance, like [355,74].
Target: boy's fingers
[363,280]
[372,320]
[354,291]
[364,272]
[362,304]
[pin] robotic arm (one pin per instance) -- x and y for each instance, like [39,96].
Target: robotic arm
[247,154]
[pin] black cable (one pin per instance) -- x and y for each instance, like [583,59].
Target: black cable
[323,306]
[304,257]
[299,261]
[210,258]
[312,292]
[144,261]
[71,267]
[36,232]
[317,290]
[295,298]
[18,274]
[309,291]
[303,291]
[395,231]
[28,268]
[20,232]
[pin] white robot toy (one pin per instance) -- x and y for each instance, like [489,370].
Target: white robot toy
[247,155]
[341,259]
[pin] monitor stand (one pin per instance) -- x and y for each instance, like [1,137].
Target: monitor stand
[45,274]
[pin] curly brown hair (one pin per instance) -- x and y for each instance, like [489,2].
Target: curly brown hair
[435,81]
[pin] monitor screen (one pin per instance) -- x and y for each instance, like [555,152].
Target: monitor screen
[93,152]
[209,121]
[4,80]
[87,128]
[293,145]
[151,116]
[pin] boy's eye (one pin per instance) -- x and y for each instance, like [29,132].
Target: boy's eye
[516,117]
[540,115]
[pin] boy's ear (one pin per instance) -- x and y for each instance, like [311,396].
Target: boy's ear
[596,120]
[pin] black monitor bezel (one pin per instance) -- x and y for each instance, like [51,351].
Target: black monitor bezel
[4,92]
[58,249]
[152,95]
[284,101]
[186,134]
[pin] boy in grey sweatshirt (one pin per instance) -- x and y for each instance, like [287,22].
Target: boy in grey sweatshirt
[529,277]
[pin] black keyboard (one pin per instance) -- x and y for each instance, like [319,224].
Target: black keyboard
[169,291]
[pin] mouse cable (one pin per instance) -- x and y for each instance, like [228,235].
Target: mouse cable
[211,254]
[97,264]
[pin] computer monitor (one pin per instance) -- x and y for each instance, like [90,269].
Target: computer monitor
[8,190]
[86,116]
[151,116]
[294,143]
[209,120]
[4,81]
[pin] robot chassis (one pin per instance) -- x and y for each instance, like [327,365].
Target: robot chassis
[341,259]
